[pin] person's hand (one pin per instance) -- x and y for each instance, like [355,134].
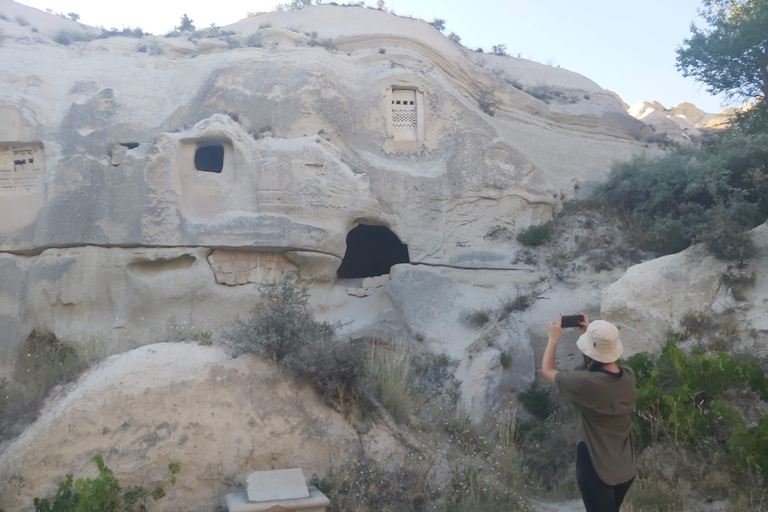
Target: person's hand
[584,324]
[555,330]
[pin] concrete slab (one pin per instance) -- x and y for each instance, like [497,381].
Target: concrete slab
[281,484]
[316,502]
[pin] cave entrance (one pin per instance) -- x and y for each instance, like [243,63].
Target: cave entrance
[371,252]
[210,158]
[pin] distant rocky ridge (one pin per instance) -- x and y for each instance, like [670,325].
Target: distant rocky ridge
[681,122]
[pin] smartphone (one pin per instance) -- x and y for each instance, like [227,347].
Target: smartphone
[571,321]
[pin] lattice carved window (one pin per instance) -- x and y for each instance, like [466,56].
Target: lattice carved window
[404,117]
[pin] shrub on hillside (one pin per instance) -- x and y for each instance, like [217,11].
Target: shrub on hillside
[335,368]
[66,38]
[681,397]
[711,194]
[103,493]
[281,324]
[535,235]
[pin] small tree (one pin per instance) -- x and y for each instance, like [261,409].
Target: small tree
[380,5]
[438,23]
[454,37]
[730,55]
[73,16]
[500,49]
[186,24]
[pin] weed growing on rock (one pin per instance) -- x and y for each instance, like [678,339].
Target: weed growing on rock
[21,21]
[475,319]
[505,360]
[519,302]
[103,493]
[498,232]
[326,43]
[253,41]
[535,235]
[487,103]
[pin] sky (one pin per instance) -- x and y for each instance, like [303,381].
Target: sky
[627,46]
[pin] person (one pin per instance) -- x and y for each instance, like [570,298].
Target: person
[603,395]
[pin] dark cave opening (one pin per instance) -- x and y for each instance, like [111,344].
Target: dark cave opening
[371,251]
[210,158]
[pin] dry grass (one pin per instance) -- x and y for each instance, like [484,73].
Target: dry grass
[391,371]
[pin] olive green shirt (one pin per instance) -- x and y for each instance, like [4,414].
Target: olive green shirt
[604,405]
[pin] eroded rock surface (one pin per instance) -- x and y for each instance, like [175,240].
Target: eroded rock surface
[222,418]
[650,300]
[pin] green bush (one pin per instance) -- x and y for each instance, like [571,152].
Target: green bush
[681,398]
[535,235]
[711,194]
[103,493]
[538,401]
[281,324]
[66,38]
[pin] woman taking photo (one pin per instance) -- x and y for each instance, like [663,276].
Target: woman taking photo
[603,395]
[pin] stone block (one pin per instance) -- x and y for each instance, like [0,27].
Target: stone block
[315,502]
[368,282]
[281,484]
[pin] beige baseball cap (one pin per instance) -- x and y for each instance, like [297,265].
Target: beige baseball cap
[601,342]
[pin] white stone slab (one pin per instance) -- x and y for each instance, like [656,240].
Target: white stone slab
[281,484]
[317,502]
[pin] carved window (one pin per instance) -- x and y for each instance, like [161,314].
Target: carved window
[404,114]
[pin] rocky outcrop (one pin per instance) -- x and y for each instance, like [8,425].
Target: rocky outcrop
[649,301]
[681,123]
[222,418]
[225,167]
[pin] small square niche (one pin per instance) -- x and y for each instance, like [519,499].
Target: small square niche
[210,158]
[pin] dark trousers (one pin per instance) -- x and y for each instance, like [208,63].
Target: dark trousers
[597,495]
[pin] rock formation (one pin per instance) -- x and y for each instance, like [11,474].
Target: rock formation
[152,183]
[221,418]
[650,300]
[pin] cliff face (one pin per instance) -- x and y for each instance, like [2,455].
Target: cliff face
[277,134]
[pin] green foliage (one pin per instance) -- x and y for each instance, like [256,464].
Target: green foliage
[729,54]
[326,43]
[294,5]
[438,23]
[103,493]
[253,41]
[535,235]
[710,195]
[475,319]
[65,37]
[186,24]
[680,398]
[124,32]
[500,49]
[281,324]
[454,37]
[506,360]
[538,401]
